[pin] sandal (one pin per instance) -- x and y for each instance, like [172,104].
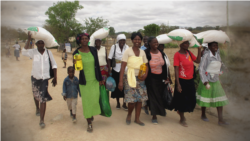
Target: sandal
[90,128]
[141,123]
[183,123]
[42,124]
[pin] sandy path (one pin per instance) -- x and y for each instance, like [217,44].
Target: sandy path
[20,123]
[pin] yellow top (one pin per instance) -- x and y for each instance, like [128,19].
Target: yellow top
[133,63]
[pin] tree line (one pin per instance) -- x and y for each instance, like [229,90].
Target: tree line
[61,23]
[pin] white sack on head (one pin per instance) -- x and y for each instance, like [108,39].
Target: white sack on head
[39,33]
[92,41]
[101,33]
[212,36]
[182,35]
[163,39]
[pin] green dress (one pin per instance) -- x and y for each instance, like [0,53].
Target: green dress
[90,92]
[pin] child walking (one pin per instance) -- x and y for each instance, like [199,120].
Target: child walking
[70,91]
[64,57]
[210,92]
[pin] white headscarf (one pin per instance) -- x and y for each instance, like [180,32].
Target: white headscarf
[120,37]
[40,40]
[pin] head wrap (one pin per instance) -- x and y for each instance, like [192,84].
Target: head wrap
[120,37]
[79,36]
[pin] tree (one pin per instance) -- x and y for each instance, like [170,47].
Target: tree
[111,31]
[164,28]
[92,24]
[151,30]
[62,23]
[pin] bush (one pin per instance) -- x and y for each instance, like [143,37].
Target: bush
[171,45]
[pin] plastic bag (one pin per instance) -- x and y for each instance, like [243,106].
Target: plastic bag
[104,102]
[212,36]
[167,97]
[110,84]
[40,33]
[163,39]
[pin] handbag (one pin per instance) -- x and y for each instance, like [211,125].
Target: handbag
[113,63]
[194,74]
[167,95]
[51,72]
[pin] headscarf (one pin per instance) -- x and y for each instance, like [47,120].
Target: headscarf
[120,37]
[79,36]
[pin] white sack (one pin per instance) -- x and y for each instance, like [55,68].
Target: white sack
[39,33]
[212,36]
[163,39]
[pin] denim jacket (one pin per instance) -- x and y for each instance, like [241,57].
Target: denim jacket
[71,89]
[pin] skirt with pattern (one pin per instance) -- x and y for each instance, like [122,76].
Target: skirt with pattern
[137,94]
[104,72]
[40,90]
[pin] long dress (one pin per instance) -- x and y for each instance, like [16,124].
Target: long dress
[90,92]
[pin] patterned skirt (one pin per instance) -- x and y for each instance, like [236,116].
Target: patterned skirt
[213,97]
[40,90]
[16,53]
[104,72]
[138,94]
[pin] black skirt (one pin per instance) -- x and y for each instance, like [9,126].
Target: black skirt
[155,89]
[117,93]
[186,100]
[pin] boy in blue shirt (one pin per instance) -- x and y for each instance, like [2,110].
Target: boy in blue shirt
[70,91]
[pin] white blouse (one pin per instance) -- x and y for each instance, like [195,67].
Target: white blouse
[102,56]
[40,66]
[118,55]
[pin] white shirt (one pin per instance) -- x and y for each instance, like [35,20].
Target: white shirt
[118,55]
[102,56]
[40,66]
[16,46]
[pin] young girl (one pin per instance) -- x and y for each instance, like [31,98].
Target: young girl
[210,92]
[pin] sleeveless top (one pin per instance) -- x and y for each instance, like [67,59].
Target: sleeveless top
[102,56]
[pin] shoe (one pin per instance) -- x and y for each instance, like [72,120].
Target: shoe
[142,124]
[205,119]
[128,122]
[125,107]
[154,121]
[118,107]
[90,128]
[223,123]
[37,113]
[42,124]
[74,120]
[146,111]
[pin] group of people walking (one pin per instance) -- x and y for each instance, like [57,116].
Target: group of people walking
[144,92]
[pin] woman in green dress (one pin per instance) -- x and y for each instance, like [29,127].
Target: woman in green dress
[89,79]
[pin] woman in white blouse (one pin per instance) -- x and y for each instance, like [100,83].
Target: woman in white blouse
[42,61]
[103,59]
[117,50]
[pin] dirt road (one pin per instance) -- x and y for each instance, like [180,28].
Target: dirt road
[19,122]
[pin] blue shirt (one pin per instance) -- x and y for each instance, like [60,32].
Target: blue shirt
[143,47]
[70,88]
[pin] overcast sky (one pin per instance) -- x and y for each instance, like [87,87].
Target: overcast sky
[132,15]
